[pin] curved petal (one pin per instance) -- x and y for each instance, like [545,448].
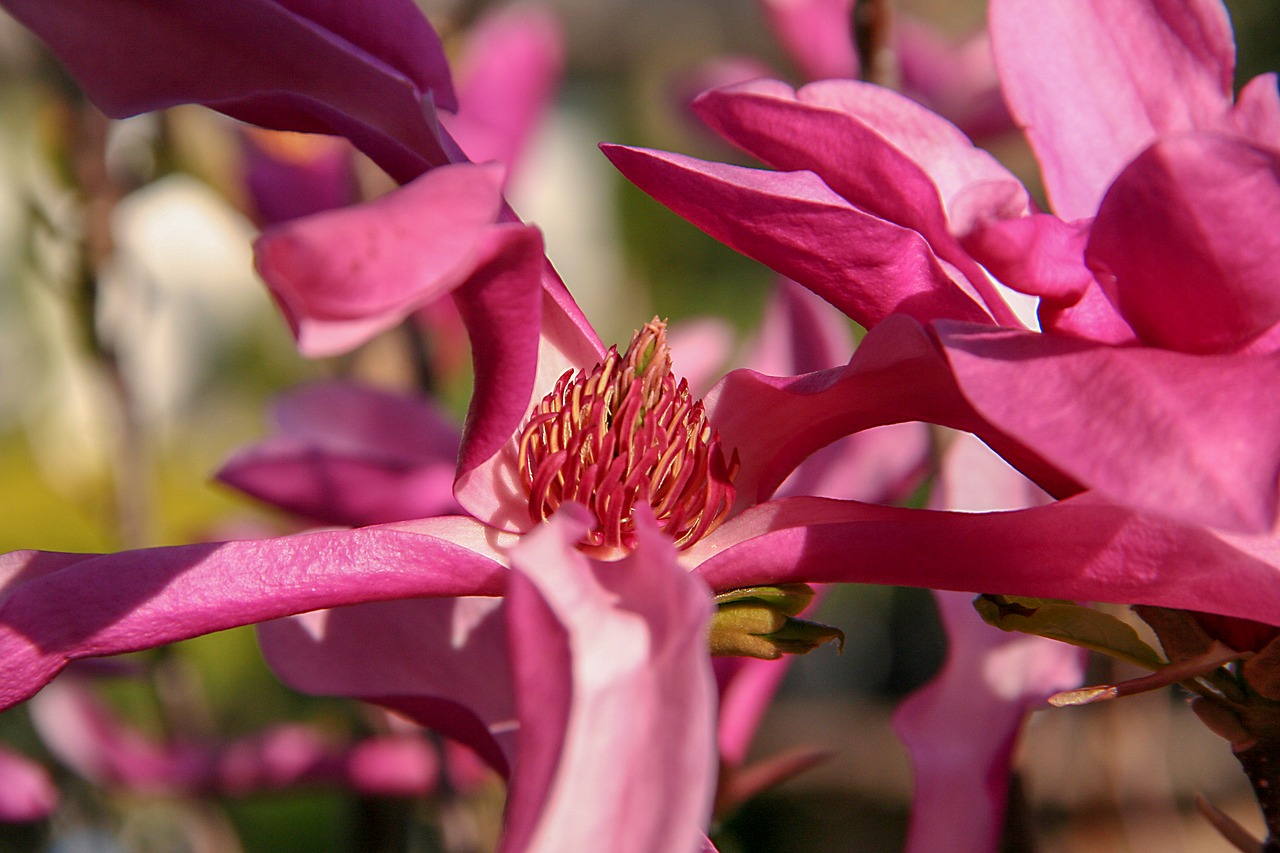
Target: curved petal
[897,374]
[506,80]
[440,662]
[883,153]
[1257,110]
[861,139]
[962,727]
[817,34]
[794,223]
[801,334]
[1187,242]
[1037,254]
[1137,71]
[1081,548]
[342,276]
[616,696]
[350,455]
[26,791]
[306,65]
[522,340]
[1192,437]
[55,608]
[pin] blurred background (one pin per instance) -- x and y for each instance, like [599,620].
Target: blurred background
[122,390]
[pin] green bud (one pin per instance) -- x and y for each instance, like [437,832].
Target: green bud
[759,622]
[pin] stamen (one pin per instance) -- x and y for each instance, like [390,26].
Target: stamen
[627,432]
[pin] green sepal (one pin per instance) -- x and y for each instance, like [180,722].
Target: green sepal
[759,622]
[1069,623]
[788,598]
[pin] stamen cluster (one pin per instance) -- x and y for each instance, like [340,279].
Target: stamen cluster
[627,433]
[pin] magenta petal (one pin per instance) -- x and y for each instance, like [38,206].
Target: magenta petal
[1192,437]
[506,81]
[1081,548]
[897,374]
[351,455]
[26,791]
[1257,110]
[882,152]
[523,338]
[304,65]
[1037,254]
[1136,71]
[342,276]
[799,333]
[747,686]
[441,662]
[55,608]
[818,35]
[616,697]
[961,729]
[1187,242]
[793,222]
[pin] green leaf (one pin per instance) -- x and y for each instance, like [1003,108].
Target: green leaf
[1068,623]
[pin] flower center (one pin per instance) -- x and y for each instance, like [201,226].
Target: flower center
[623,434]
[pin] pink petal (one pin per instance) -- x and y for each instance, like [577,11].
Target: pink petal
[817,34]
[1081,548]
[794,223]
[1257,110]
[1169,249]
[298,65]
[896,375]
[288,175]
[882,152]
[616,697]
[747,686]
[522,340]
[1136,71]
[55,608]
[955,79]
[1093,318]
[343,276]
[26,791]
[351,455]
[859,126]
[506,80]
[962,727]
[1176,434]
[1037,254]
[440,662]
[800,334]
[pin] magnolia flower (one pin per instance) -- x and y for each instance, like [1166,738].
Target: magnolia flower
[1127,406]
